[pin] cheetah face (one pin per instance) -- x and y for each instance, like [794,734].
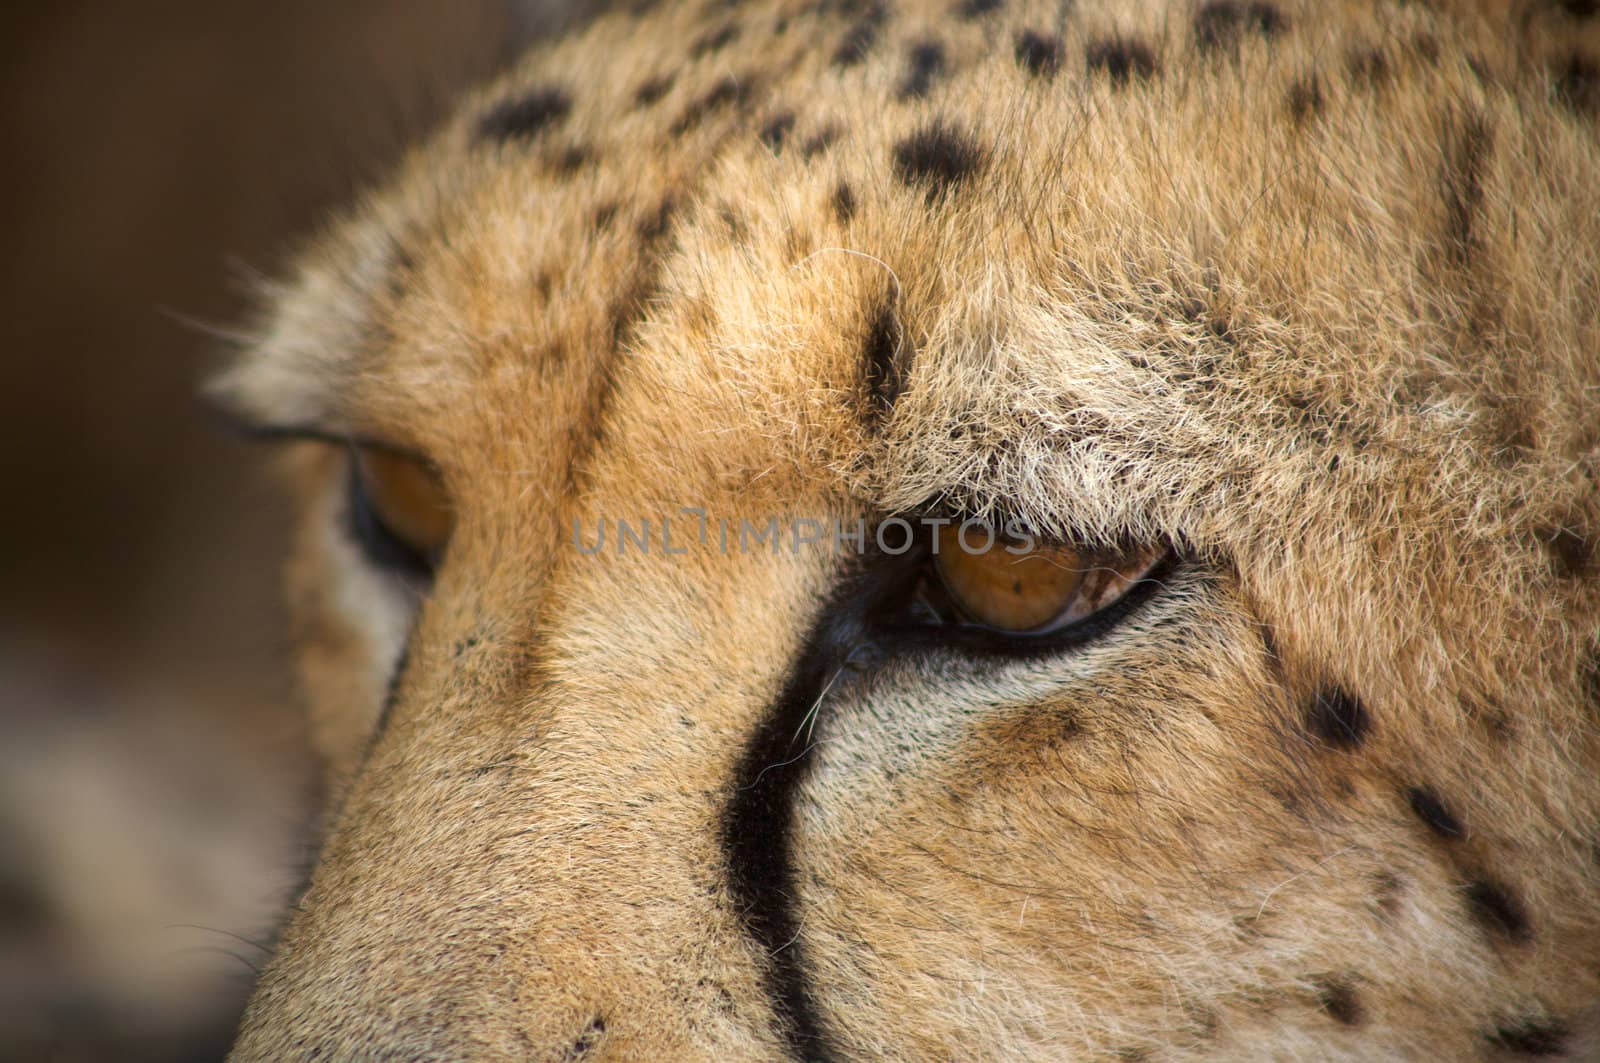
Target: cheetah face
[992,530]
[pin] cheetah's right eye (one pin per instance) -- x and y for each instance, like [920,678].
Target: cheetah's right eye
[399,510]
[1040,590]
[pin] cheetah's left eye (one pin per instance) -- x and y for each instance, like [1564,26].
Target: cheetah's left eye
[1015,589]
[399,511]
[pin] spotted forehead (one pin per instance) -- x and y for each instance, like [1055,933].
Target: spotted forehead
[944,240]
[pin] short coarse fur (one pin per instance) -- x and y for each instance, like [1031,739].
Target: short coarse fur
[1309,293]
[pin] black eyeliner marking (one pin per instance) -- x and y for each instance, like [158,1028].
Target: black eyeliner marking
[758,824]
[863,622]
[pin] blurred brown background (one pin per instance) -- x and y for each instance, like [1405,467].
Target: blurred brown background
[154,787]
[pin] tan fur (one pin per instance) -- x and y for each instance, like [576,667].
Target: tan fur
[1320,307]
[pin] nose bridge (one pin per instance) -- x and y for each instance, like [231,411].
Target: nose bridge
[524,865]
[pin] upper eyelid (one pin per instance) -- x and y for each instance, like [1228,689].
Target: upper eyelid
[254,431]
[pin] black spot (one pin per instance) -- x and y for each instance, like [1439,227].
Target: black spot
[1572,554]
[1532,1038]
[1305,100]
[1497,909]
[738,228]
[973,9]
[605,214]
[652,90]
[777,129]
[585,1042]
[843,202]
[1432,811]
[883,367]
[625,312]
[1121,58]
[819,142]
[1037,54]
[1577,84]
[1367,66]
[1342,1003]
[714,41]
[1387,891]
[570,160]
[976,8]
[1468,146]
[937,157]
[924,62]
[524,117]
[1221,24]
[860,37]
[1579,8]
[725,91]
[1338,718]
[653,226]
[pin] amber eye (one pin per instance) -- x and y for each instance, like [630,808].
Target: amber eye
[1020,588]
[399,511]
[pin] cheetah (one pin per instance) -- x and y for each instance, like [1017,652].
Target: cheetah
[958,529]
